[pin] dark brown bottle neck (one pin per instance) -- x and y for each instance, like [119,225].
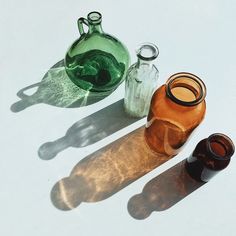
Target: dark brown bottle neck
[215,151]
[220,147]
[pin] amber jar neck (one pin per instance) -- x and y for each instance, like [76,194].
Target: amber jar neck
[220,147]
[95,22]
[185,89]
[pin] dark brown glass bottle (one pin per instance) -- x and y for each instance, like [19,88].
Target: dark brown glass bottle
[210,156]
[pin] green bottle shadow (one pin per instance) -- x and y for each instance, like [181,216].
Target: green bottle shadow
[56,89]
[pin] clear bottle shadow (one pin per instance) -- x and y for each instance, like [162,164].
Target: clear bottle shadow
[56,89]
[89,130]
[163,192]
[105,172]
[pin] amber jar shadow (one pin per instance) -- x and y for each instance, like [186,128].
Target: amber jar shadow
[105,172]
[163,192]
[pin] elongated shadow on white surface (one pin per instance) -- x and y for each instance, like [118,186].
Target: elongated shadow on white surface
[56,89]
[163,192]
[89,130]
[105,172]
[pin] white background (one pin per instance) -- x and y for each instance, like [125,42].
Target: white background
[194,36]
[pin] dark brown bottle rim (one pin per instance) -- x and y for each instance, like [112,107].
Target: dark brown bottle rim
[223,140]
[186,75]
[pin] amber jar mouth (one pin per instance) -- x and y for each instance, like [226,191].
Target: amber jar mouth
[147,51]
[185,89]
[94,17]
[220,146]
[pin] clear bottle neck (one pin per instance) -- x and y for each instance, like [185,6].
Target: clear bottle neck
[146,54]
[144,63]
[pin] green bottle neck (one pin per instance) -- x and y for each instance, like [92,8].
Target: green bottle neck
[95,28]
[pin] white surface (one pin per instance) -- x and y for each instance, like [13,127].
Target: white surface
[195,36]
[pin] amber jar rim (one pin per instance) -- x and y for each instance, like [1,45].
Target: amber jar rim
[96,21]
[228,141]
[190,76]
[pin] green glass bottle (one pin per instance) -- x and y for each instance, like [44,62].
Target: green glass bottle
[96,61]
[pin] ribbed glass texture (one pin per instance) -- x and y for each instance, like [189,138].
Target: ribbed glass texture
[141,81]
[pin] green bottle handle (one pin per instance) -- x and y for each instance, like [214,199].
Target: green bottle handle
[80,23]
[23,95]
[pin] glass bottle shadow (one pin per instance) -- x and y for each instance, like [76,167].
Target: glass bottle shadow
[56,89]
[163,192]
[89,130]
[105,172]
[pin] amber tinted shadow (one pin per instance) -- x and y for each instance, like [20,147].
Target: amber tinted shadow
[106,171]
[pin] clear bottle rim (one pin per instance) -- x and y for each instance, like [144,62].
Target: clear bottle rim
[147,51]
[190,77]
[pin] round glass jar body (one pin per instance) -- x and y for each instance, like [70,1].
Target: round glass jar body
[176,109]
[96,61]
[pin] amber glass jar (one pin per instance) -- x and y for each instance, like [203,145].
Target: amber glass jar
[177,108]
[210,156]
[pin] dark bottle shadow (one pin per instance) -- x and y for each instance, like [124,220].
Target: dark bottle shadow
[56,89]
[163,192]
[105,172]
[89,130]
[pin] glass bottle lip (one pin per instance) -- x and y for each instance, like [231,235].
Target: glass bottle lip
[94,17]
[224,141]
[199,90]
[147,51]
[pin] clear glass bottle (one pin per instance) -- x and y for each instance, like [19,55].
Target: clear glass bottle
[141,81]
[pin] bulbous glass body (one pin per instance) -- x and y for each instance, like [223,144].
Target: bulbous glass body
[96,61]
[141,81]
[210,156]
[177,108]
